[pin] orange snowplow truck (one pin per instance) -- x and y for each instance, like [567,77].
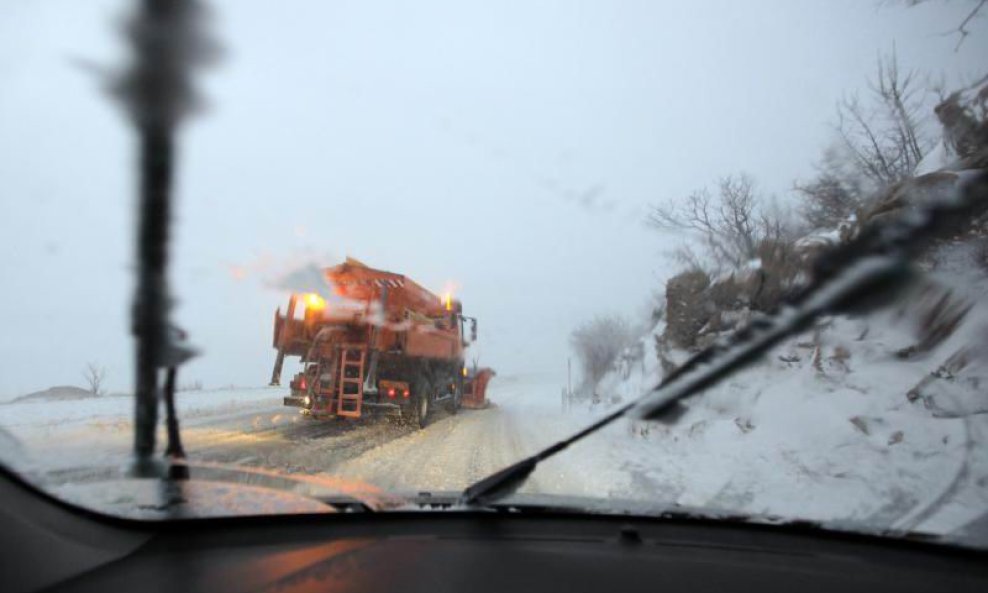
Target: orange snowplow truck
[377,340]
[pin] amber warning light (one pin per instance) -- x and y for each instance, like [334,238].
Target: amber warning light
[314,302]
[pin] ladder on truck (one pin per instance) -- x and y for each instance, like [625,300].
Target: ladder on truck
[350,388]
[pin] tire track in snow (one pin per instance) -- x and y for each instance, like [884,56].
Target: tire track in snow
[446,456]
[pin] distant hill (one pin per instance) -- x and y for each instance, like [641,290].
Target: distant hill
[61,392]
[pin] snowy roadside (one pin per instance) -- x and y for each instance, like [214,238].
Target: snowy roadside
[837,440]
[52,434]
[772,441]
[780,438]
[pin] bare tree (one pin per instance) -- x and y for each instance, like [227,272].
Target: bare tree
[962,30]
[829,201]
[883,134]
[94,376]
[193,386]
[881,138]
[597,344]
[730,225]
[837,192]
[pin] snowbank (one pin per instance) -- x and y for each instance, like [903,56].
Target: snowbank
[828,434]
[64,433]
[42,413]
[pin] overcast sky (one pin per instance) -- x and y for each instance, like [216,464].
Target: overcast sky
[509,148]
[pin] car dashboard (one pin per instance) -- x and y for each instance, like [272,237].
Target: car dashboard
[51,546]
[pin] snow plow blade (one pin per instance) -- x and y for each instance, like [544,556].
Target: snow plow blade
[475,389]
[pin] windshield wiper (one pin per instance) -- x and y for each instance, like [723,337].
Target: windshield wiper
[156,91]
[863,274]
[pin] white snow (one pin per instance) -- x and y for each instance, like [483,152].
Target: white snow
[785,439]
[937,159]
[68,433]
[22,418]
[819,238]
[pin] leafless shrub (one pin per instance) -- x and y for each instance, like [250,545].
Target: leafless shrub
[828,201]
[779,273]
[883,134]
[193,386]
[94,376]
[836,193]
[962,30]
[729,225]
[742,240]
[597,344]
[881,137]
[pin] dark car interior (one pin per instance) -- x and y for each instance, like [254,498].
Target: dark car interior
[51,546]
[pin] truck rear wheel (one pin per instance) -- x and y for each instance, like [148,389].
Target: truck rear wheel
[421,404]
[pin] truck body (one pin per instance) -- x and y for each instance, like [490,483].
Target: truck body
[373,340]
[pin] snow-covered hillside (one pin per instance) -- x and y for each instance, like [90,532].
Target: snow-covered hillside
[832,428]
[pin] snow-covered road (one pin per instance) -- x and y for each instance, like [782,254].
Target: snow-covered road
[709,460]
[61,440]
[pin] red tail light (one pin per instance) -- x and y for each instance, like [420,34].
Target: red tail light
[391,392]
[302,384]
[404,393]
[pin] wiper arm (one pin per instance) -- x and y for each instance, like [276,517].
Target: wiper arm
[506,481]
[865,273]
[156,92]
[704,370]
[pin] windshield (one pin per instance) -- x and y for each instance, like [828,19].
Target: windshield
[375,252]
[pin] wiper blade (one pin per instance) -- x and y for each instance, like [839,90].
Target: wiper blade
[865,273]
[156,91]
[702,371]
